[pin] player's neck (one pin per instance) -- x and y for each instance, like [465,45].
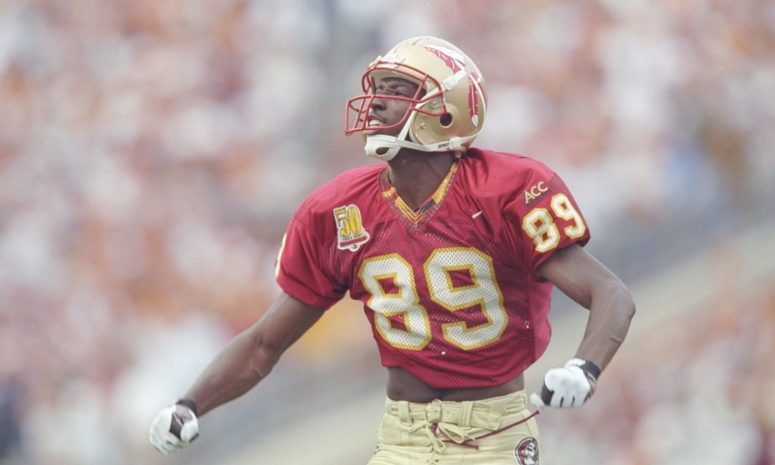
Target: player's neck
[417,175]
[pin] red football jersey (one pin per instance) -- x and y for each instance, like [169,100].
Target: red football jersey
[451,289]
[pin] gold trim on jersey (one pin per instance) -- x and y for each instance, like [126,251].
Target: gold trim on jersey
[416,216]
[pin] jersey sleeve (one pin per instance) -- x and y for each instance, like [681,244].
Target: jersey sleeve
[304,268]
[544,216]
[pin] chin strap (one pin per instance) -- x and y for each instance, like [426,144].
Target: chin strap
[385,148]
[381,147]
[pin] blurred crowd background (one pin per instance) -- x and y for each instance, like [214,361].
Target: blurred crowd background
[152,152]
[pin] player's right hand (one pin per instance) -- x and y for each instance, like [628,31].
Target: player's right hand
[173,429]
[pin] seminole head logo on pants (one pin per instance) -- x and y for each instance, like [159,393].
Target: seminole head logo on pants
[526,452]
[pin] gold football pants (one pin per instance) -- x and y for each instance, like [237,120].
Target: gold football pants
[496,431]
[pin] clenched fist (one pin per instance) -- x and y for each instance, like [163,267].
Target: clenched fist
[174,428]
[568,386]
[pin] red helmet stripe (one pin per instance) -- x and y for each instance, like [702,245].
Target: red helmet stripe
[473,99]
[451,63]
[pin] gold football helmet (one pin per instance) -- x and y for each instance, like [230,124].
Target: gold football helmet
[445,114]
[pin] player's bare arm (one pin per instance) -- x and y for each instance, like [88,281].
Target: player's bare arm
[245,361]
[249,357]
[589,283]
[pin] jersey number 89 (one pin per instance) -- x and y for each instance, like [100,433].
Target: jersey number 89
[541,228]
[401,300]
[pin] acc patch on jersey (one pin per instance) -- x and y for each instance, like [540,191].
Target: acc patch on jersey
[526,452]
[351,234]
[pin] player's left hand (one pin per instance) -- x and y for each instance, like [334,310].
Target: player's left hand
[569,386]
[173,428]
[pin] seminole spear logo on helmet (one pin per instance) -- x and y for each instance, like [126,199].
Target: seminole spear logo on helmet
[351,234]
[456,62]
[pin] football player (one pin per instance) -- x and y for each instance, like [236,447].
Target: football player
[453,251]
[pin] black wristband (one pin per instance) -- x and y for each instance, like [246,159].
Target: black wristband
[188,403]
[591,369]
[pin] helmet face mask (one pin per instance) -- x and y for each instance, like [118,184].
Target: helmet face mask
[359,108]
[446,112]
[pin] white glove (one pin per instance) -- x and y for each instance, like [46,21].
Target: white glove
[173,428]
[569,386]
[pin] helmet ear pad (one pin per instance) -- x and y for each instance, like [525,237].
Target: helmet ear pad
[430,129]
